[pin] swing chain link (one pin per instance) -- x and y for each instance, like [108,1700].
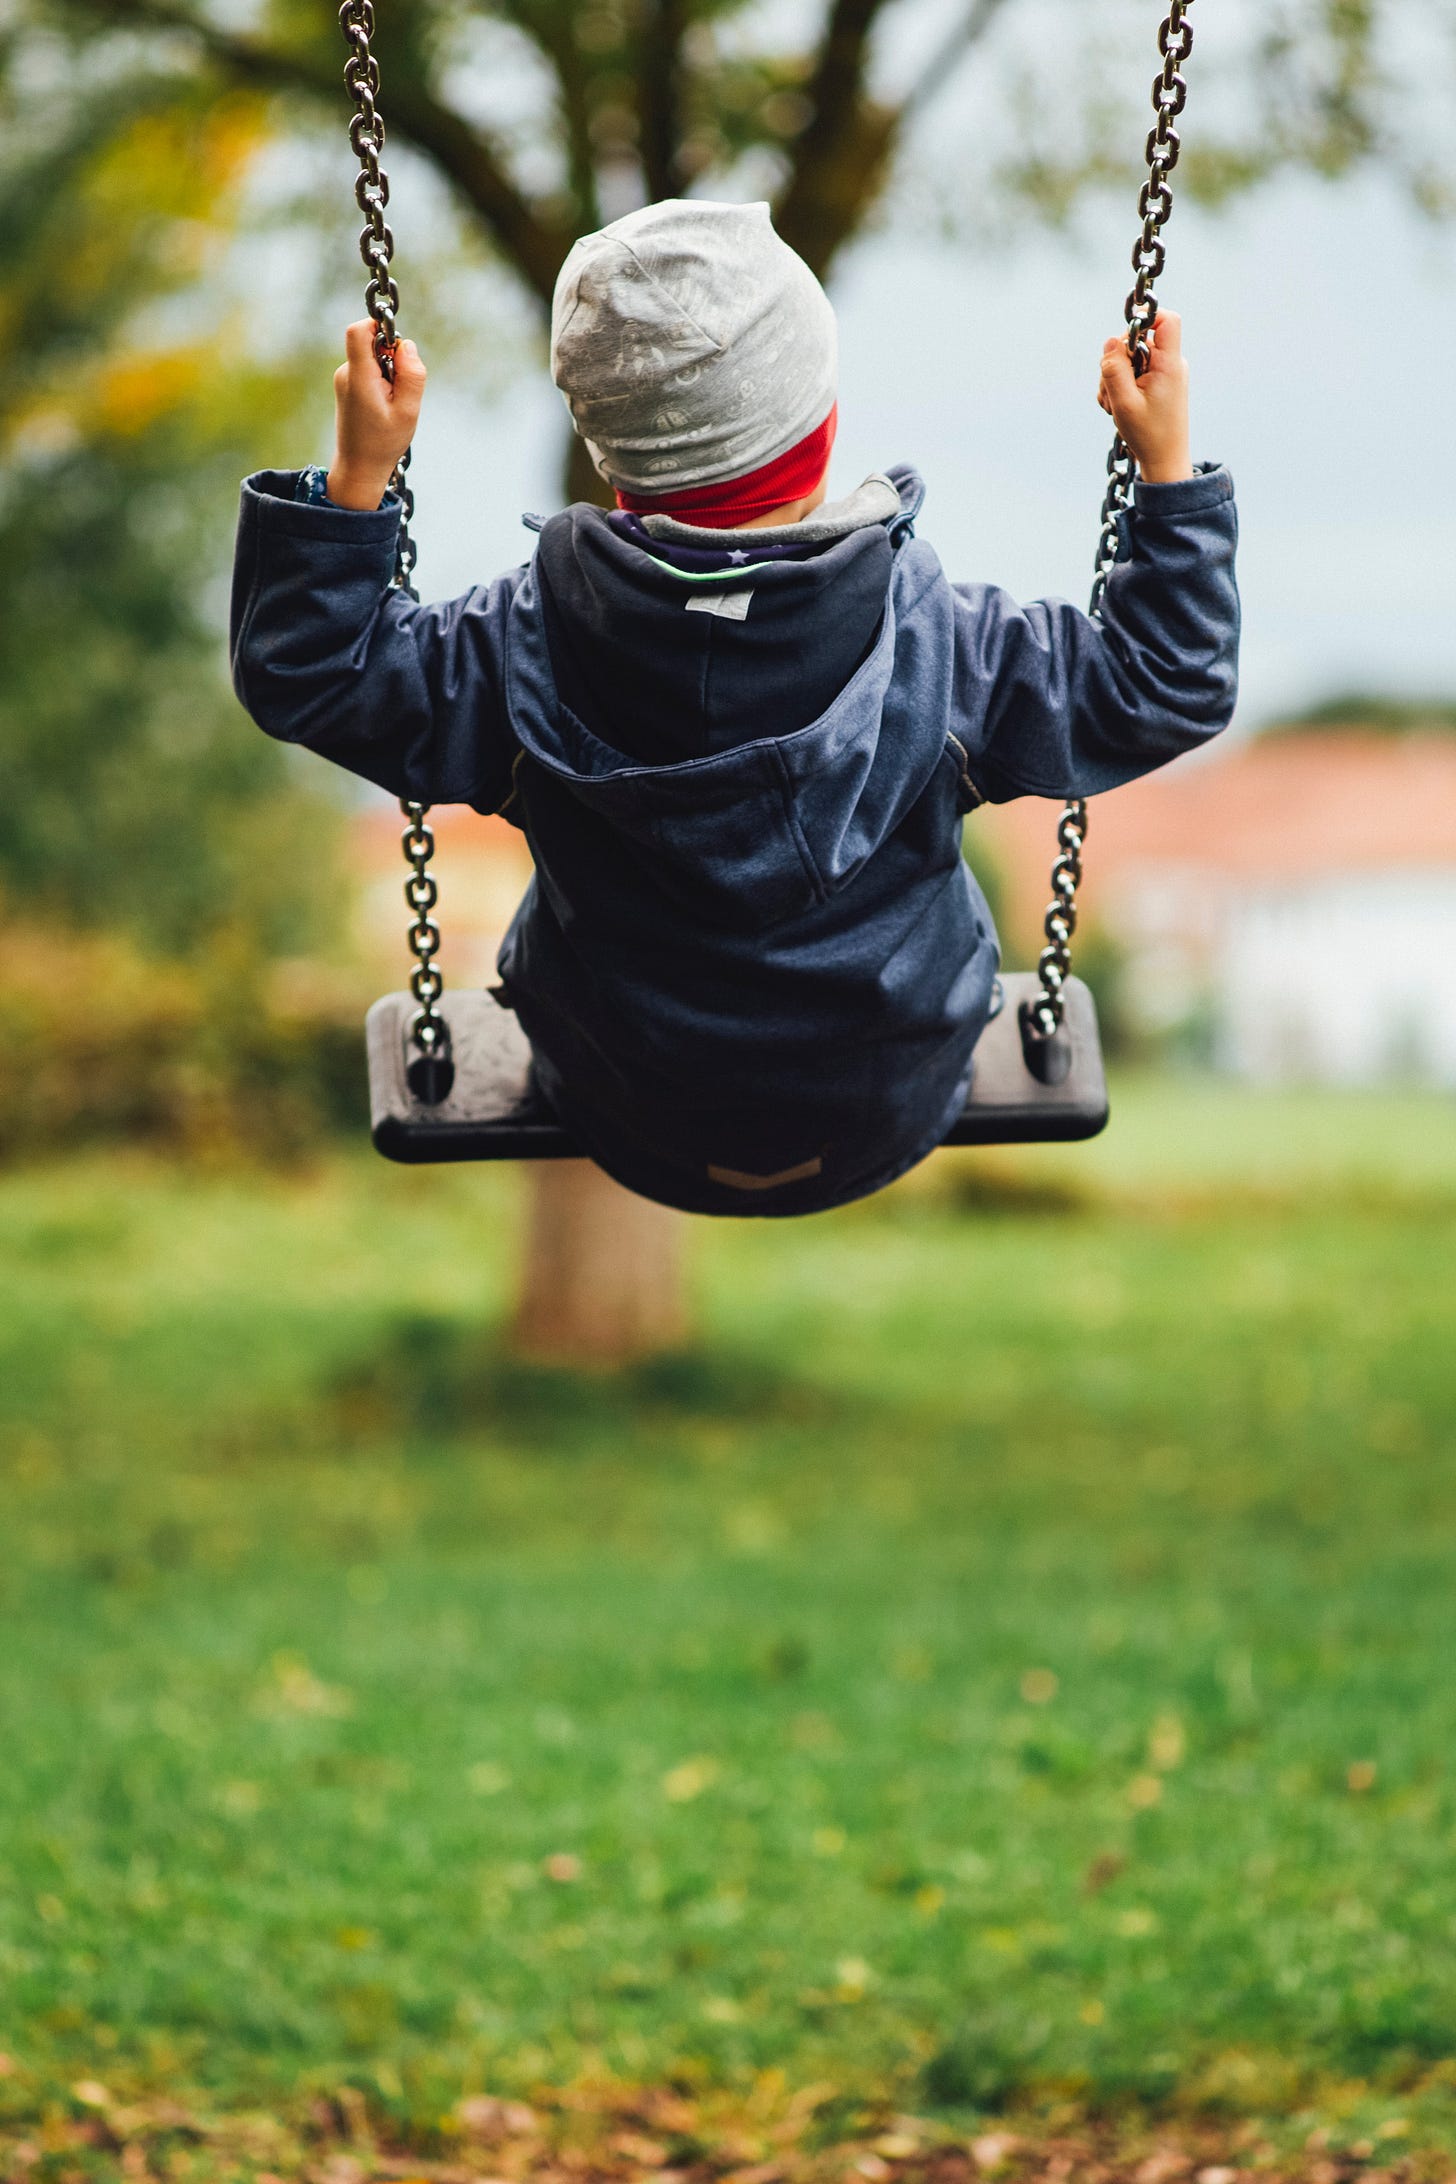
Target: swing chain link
[429,1032]
[376,240]
[1149,257]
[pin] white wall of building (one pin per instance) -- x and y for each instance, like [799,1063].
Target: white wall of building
[1349,980]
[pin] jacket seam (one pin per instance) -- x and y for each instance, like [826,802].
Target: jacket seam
[796,831]
[937,575]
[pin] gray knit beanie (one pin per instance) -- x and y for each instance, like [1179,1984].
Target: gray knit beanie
[692,345]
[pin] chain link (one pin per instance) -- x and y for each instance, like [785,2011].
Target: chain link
[376,239]
[1149,257]
[428,1030]
[421,894]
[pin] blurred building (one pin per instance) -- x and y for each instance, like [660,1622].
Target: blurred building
[1288,903]
[1285,906]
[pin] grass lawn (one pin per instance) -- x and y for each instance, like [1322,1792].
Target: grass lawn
[1007,1666]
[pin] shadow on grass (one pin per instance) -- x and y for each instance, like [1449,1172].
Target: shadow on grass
[442,1378]
[990,1188]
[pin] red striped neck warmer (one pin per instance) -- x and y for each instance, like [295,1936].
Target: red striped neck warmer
[732,502]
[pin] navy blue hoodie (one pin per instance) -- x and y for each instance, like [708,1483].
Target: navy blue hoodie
[752,963]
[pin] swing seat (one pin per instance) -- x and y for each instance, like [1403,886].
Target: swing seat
[493,1112]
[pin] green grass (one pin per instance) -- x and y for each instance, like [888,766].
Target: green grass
[946,1681]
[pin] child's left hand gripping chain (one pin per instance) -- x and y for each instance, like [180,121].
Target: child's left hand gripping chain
[374,418]
[1151,413]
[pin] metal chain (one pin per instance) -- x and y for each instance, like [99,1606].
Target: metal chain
[1170,96]
[428,1029]
[376,239]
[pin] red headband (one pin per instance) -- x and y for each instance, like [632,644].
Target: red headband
[733,501]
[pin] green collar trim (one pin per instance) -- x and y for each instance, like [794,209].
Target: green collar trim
[735,575]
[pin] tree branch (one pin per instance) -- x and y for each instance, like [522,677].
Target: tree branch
[828,187]
[460,151]
[552,32]
[659,97]
[842,156]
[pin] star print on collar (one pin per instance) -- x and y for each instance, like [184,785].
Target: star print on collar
[738,556]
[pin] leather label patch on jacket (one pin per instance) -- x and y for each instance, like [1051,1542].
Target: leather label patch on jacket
[735,1179]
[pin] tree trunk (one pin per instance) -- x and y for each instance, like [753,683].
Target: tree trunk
[603,1276]
[602,1282]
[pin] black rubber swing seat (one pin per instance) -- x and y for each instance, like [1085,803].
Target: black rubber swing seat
[492,1111]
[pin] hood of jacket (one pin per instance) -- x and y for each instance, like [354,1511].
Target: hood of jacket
[745,731]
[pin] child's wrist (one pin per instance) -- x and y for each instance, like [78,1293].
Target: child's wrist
[1171,468]
[353,485]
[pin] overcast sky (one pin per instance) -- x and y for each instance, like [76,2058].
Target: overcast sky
[1321,324]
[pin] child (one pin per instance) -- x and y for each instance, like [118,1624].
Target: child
[739,727]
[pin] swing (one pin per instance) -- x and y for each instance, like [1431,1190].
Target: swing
[450,1073]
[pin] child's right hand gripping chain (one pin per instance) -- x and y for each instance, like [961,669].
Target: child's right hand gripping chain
[1151,413]
[374,418]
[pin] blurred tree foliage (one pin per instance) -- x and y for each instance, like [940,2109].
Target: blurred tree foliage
[1367,712]
[545,117]
[204,1057]
[141,376]
[128,796]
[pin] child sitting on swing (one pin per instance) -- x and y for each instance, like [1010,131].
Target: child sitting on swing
[739,724]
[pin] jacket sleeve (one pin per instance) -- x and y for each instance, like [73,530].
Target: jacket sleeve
[1049,702]
[326,654]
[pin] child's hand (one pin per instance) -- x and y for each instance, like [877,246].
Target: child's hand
[1151,413]
[374,418]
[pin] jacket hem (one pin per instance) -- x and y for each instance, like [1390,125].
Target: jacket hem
[670,1186]
[268,500]
[1210,484]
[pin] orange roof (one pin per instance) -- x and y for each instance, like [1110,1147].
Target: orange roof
[1284,808]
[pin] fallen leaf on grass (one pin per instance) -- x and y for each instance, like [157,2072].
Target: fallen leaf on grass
[380,2171]
[993,2148]
[341,2169]
[484,2117]
[1162,2166]
[611,2132]
[646,2153]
